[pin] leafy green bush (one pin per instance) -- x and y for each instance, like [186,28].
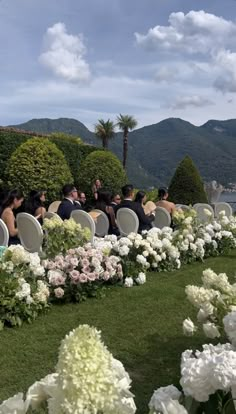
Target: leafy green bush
[38,164]
[60,236]
[102,165]
[186,186]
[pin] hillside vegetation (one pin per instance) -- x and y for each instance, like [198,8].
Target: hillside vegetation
[155,150]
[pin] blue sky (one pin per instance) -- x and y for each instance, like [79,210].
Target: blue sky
[91,59]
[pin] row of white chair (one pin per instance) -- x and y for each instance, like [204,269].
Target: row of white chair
[215,210]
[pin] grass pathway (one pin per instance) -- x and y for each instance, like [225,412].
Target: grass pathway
[142,326]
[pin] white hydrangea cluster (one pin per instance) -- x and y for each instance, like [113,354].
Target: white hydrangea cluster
[229,322]
[161,397]
[87,377]
[203,373]
[215,299]
[18,261]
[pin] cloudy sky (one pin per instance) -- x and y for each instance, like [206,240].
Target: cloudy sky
[91,59]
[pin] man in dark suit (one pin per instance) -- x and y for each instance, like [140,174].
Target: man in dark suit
[68,203]
[144,220]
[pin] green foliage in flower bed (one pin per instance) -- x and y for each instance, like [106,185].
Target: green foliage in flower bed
[38,164]
[63,235]
[186,186]
[106,167]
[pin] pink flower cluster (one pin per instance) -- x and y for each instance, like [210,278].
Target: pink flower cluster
[79,266]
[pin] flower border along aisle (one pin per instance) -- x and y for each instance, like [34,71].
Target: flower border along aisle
[80,272]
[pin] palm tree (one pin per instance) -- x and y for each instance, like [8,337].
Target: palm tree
[105,130]
[126,123]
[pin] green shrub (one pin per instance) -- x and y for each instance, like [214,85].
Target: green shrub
[186,186]
[38,164]
[102,165]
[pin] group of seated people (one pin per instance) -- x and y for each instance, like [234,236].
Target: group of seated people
[76,200]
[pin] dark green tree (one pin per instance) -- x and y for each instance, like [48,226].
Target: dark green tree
[126,123]
[186,186]
[105,130]
[106,167]
[38,164]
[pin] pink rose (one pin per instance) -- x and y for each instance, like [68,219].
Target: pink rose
[83,278]
[59,292]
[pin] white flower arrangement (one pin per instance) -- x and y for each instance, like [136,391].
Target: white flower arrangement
[87,380]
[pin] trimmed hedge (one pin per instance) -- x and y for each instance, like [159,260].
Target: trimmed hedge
[72,147]
[102,165]
[186,186]
[38,164]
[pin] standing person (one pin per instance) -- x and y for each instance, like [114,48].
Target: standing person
[163,196]
[68,203]
[96,186]
[35,205]
[103,203]
[145,222]
[13,201]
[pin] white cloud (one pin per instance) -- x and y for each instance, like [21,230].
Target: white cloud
[226,63]
[64,54]
[194,32]
[194,100]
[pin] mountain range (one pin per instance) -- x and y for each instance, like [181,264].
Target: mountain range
[155,150]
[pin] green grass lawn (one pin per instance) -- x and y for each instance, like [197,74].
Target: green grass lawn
[142,326]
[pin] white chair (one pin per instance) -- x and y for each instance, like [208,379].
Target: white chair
[221,206]
[84,219]
[4,234]
[101,223]
[30,232]
[54,206]
[162,218]
[202,215]
[50,214]
[127,221]
[183,207]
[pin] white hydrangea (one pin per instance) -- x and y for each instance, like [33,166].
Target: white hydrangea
[188,327]
[87,378]
[128,282]
[203,373]
[163,395]
[141,279]
[229,322]
[211,330]
[14,405]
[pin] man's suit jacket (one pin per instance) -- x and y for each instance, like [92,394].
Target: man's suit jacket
[144,221]
[66,207]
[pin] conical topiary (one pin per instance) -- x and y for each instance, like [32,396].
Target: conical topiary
[186,186]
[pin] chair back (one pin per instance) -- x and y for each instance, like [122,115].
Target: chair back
[4,234]
[54,206]
[84,219]
[30,232]
[221,206]
[101,223]
[200,209]
[183,207]
[127,221]
[162,218]
[50,214]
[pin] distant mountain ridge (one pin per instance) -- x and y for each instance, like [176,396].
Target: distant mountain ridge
[155,150]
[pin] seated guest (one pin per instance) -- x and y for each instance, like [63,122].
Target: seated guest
[81,200]
[103,203]
[35,205]
[12,202]
[68,203]
[115,200]
[141,198]
[145,222]
[163,195]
